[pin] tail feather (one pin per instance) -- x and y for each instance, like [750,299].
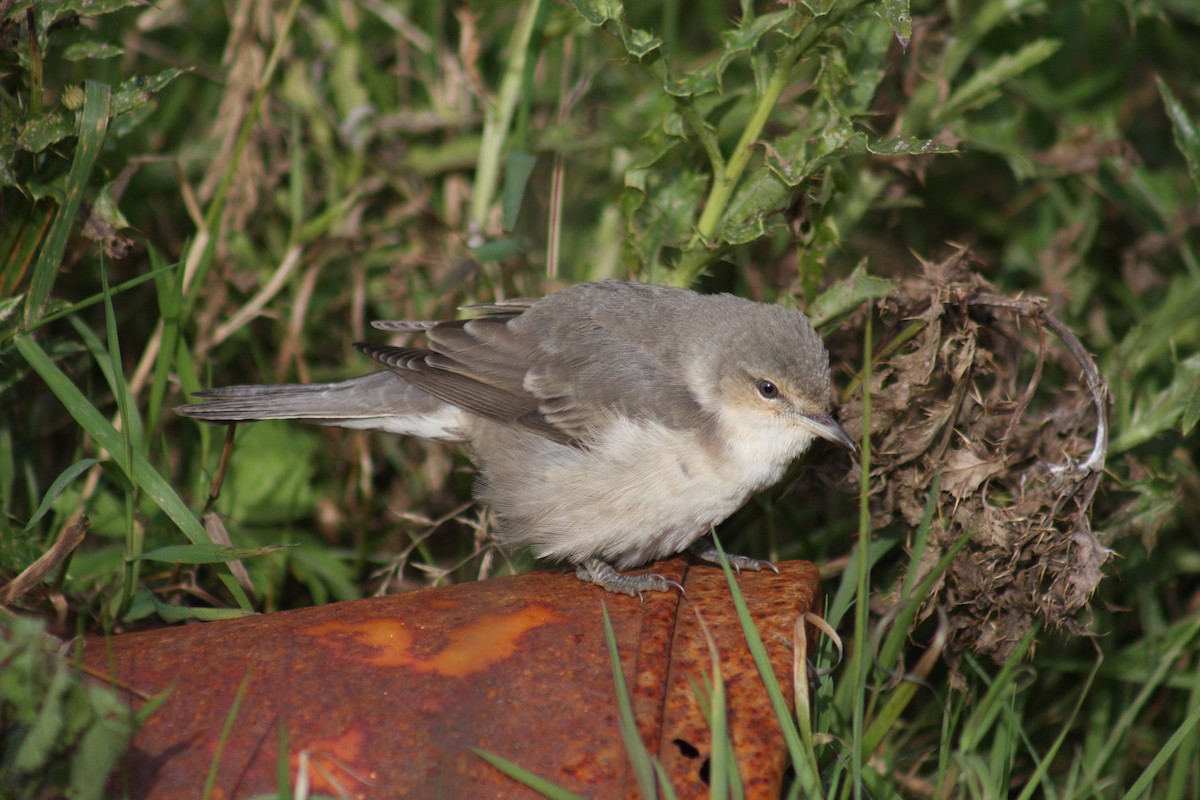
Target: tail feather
[381,401]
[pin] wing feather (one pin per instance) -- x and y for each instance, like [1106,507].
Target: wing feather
[559,366]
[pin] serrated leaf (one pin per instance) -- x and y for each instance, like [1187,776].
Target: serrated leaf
[905,145]
[638,42]
[111,726]
[40,132]
[597,12]
[748,35]
[138,90]
[836,141]
[276,486]
[745,219]
[693,84]
[82,51]
[610,16]
[54,126]
[848,294]
[899,19]
[51,11]
[1183,126]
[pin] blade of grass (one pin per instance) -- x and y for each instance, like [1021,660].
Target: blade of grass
[984,714]
[1044,763]
[802,754]
[169,286]
[904,693]
[1141,786]
[913,597]
[130,430]
[141,471]
[226,731]
[522,775]
[60,483]
[1184,639]
[639,756]
[1185,765]
[859,658]
[93,125]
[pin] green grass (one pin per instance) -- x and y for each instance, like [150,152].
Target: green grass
[198,196]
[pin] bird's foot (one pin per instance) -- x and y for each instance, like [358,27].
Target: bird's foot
[606,576]
[705,550]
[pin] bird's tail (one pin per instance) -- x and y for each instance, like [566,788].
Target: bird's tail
[381,401]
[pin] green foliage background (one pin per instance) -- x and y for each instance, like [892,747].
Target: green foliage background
[203,193]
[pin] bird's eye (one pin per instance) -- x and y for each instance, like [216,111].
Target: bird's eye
[766,389]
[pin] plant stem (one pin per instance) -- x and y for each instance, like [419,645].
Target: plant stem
[725,181]
[498,119]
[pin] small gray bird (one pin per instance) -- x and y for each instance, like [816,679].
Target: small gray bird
[613,423]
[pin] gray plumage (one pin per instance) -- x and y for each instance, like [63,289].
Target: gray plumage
[613,422]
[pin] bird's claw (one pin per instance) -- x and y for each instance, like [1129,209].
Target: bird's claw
[705,550]
[607,577]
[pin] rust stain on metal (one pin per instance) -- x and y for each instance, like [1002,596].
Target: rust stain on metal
[334,765]
[391,697]
[476,646]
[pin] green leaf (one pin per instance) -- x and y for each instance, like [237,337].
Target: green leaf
[93,124]
[140,89]
[982,87]
[1187,136]
[91,48]
[749,35]
[170,613]
[141,471]
[609,15]
[51,11]
[60,483]
[761,196]
[276,485]
[208,553]
[517,169]
[101,746]
[848,294]
[1174,406]
[694,83]
[907,145]
[899,19]
[134,93]
[40,132]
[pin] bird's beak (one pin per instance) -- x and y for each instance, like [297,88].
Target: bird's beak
[827,428]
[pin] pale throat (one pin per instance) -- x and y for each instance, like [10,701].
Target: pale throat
[759,445]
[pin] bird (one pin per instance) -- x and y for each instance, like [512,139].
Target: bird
[613,423]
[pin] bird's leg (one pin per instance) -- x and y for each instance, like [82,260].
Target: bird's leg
[705,550]
[606,576]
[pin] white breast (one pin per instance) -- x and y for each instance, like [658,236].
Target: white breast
[643,491]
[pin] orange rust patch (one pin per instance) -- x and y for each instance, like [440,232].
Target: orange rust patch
[471,648]
[329,764]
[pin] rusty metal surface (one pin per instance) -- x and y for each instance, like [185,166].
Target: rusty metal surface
[390,697]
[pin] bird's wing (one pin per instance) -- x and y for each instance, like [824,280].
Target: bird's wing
[561,374]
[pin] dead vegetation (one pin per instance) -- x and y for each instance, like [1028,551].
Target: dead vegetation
[961,408]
